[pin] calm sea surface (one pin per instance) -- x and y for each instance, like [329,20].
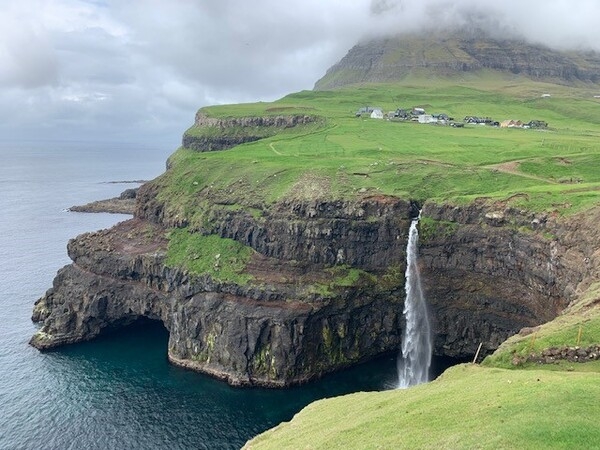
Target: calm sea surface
[117,392]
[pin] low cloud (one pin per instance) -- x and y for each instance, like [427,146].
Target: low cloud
[559,24]
[110,69]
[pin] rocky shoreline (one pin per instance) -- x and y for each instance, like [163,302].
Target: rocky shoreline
[485,280]
[125,203]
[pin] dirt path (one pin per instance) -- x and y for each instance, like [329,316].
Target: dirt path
[272,146]
[512,167]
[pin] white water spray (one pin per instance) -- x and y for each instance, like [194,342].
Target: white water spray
[415,358]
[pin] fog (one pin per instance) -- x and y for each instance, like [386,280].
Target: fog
[114,70]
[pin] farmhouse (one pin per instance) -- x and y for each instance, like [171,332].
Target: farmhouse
[401,113]
[427,118]
[511,124]
[367,110]
[377,114]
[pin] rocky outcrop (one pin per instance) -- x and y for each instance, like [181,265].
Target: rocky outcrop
[554,355]
[248,335]
[452,53]
[213,134]
[279,121]
[487,273]
[123,204]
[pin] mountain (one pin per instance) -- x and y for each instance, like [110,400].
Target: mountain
[456,54]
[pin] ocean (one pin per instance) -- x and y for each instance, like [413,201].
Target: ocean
[119,391]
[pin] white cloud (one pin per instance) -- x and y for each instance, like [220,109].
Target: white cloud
[127,70]
[556,23]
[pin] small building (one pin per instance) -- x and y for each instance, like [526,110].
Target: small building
[427,118]
[366,110]
[418,111]
[401,113]
[536,124]
[546,95]
[377,114]
[511,124]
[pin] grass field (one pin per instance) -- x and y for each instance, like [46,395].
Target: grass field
[556,171]
[468,407]
[343,156]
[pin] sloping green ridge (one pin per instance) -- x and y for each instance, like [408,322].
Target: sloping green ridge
[459,54]
[344,157]
[468,407]
[577,326]
[488,406]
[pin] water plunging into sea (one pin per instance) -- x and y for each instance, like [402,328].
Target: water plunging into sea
[118,391]
[415,358]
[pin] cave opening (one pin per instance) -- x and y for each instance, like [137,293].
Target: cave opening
[152,331]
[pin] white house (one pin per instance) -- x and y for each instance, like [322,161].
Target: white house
[377,114]
[427,118]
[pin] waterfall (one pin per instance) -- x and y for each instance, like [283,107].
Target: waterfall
[415,357]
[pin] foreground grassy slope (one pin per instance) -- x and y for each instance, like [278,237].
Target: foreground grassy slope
[553,171]
[468,407]
[344,157]
[577,326]
[495,405]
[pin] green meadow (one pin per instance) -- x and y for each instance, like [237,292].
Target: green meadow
[468,407]
[342,156]
[339,156]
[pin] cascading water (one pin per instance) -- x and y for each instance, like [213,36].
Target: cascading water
[415,358]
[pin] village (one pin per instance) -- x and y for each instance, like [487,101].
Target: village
[418,114]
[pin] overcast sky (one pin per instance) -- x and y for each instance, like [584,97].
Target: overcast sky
[139,70]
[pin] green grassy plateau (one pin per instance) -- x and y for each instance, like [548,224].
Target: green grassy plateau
[342,156]
[555,171]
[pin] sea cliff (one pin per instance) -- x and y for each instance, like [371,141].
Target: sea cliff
[273,247]
[485,278]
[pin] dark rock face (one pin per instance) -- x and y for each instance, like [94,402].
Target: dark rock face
[248,129]
[129,193]
[214,144]
[554,355]
[452,53]
[484,279]
[244,335]
[366,234]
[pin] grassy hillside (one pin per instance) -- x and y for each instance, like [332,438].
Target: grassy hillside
[467,407]
[577,326]
[344,157]
[496,405]
[341,156]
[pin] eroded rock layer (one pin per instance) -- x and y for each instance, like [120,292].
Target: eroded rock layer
[487,274]
[224,133]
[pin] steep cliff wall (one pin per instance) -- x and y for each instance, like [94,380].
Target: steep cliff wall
[212,134]
[487,274]
[264,334]
[448,54]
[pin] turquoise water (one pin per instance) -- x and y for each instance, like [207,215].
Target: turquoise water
[118,391]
